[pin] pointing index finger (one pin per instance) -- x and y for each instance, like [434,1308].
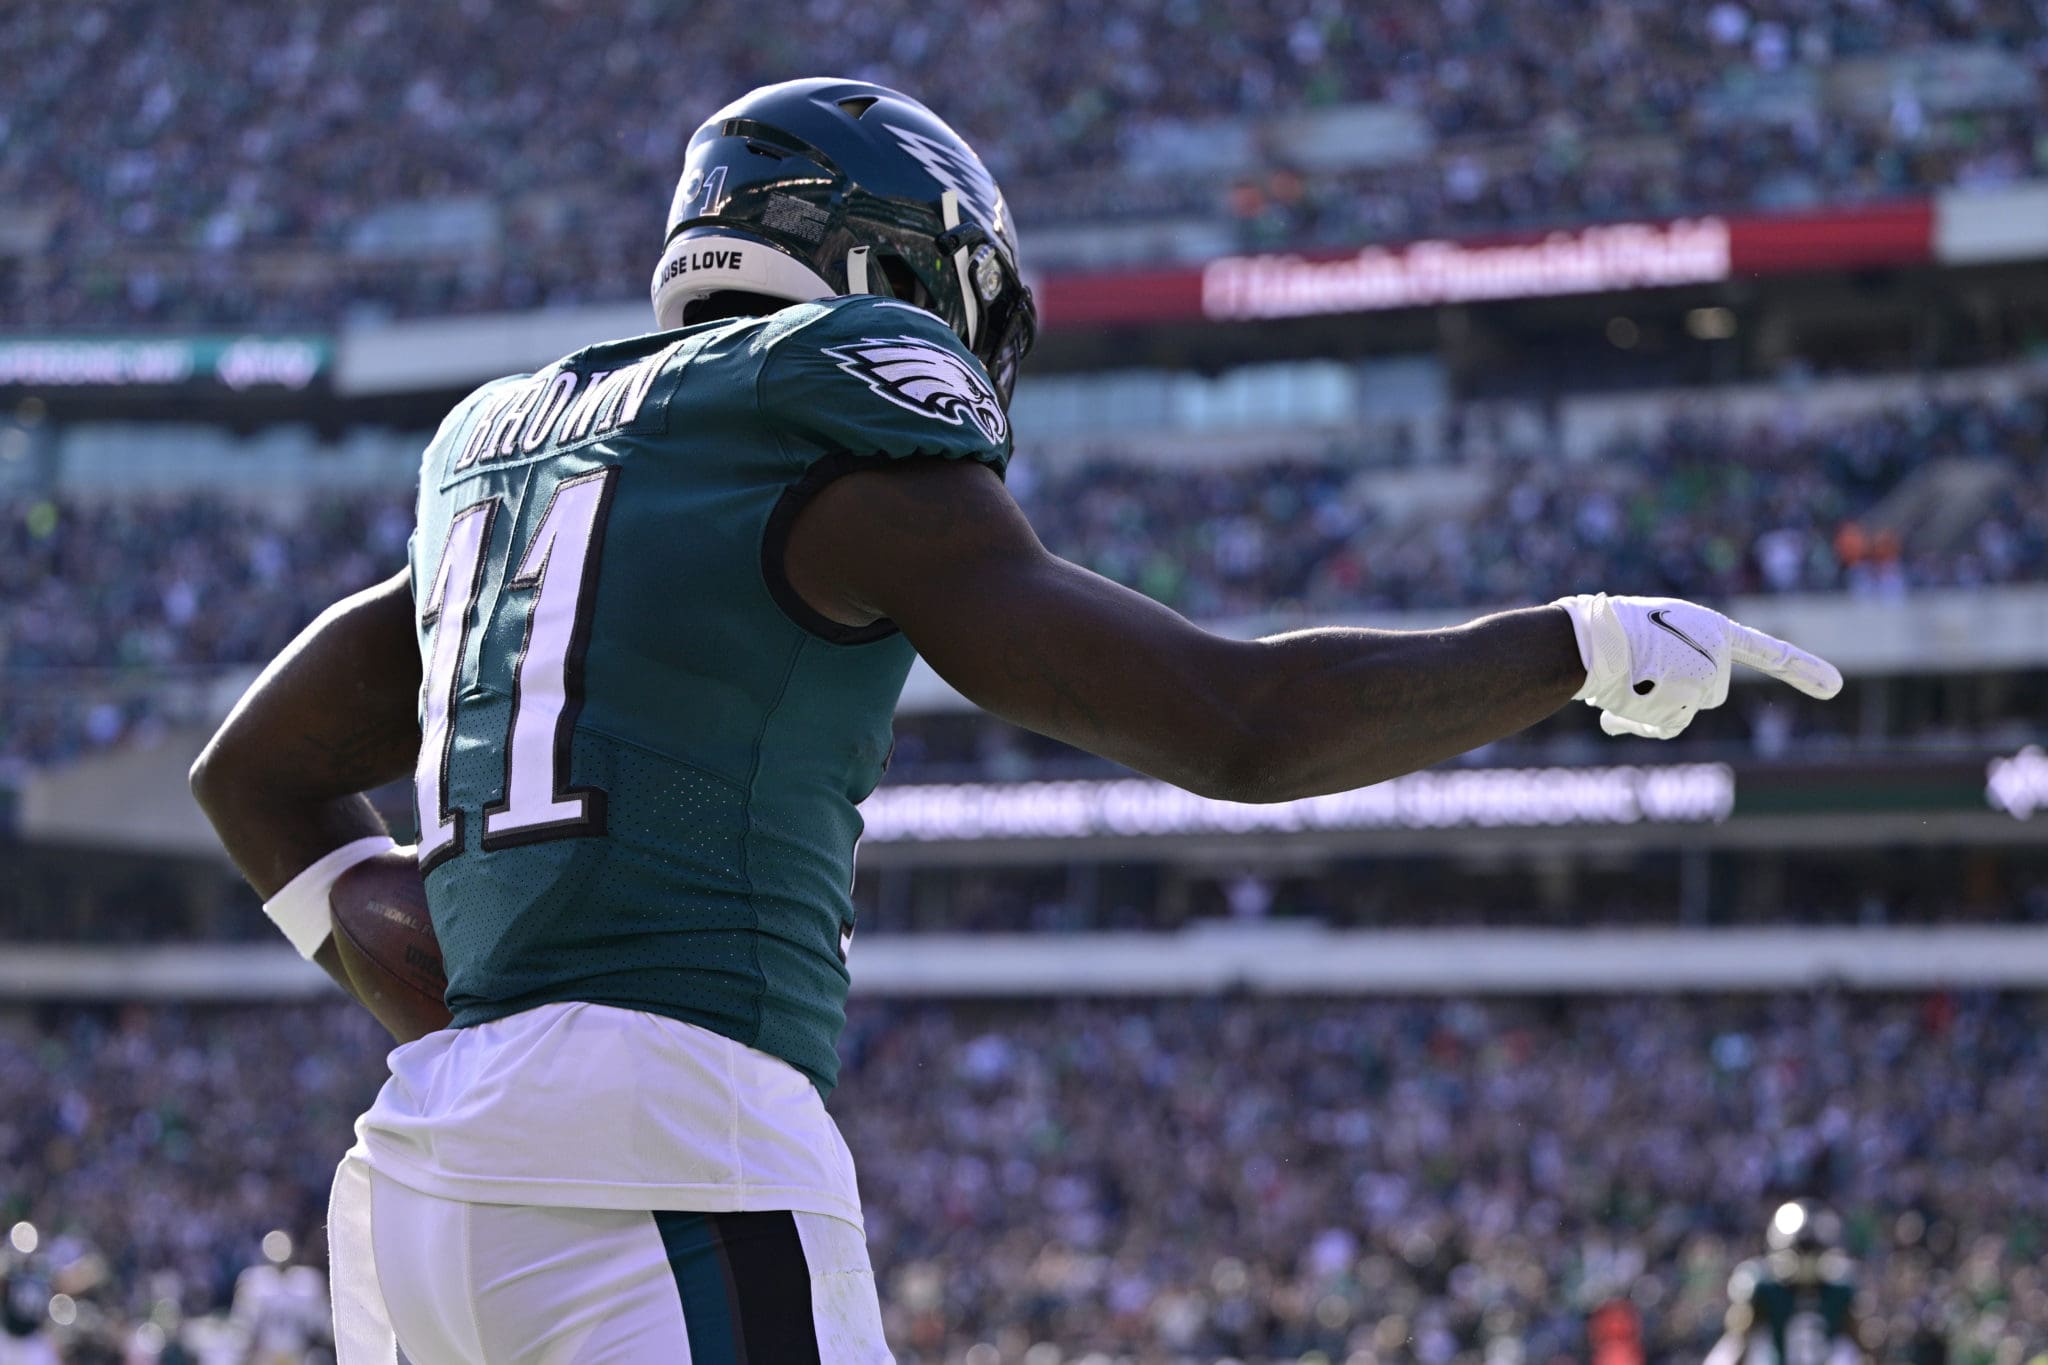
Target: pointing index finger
[1810,673]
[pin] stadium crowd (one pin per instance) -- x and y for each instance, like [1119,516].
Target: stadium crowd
[1697,508]
[224,162]
[1442,1183]
[102,602]
[104,605]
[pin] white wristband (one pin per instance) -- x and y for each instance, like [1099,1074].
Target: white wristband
[301,909]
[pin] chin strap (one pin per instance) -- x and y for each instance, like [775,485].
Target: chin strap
[857,271]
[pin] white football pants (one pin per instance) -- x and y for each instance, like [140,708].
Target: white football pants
[501,1284]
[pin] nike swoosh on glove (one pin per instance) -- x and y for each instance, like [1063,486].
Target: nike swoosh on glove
[1653,663]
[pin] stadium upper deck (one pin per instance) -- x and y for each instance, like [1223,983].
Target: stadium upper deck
[231,163]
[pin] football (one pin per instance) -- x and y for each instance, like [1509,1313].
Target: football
[386,943]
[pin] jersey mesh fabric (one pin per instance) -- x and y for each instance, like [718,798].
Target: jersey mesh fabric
[731,744]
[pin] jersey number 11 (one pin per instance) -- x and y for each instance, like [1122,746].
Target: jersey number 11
[559,570]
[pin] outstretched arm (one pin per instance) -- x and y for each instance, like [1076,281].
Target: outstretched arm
[333,716]
[943,551]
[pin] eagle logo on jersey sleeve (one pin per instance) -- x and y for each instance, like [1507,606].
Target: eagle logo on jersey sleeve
[927,379]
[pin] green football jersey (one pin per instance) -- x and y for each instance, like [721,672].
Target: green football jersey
[641,753]
[1802,1319]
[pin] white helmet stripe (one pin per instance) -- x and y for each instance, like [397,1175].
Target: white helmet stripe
[949,215]
[957,168]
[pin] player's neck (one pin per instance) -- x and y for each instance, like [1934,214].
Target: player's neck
[731,303]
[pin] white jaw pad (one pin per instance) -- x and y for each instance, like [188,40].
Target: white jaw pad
[695,266]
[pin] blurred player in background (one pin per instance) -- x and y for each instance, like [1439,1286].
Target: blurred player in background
[1796,1306]
[25,1292]
[663,598]
[280,1307]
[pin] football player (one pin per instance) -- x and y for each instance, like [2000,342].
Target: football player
[1796,1306]
[25,1328]
[642,667]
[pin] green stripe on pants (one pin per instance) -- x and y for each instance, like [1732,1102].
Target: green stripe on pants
[697,1260]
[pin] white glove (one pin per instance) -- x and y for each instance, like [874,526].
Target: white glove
[1653,663]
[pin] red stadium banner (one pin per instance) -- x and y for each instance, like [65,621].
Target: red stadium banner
[1873,237]
[1599,259]
[1113,298]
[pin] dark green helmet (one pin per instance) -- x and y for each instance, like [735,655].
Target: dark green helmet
[1804,1226]
[815,188]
